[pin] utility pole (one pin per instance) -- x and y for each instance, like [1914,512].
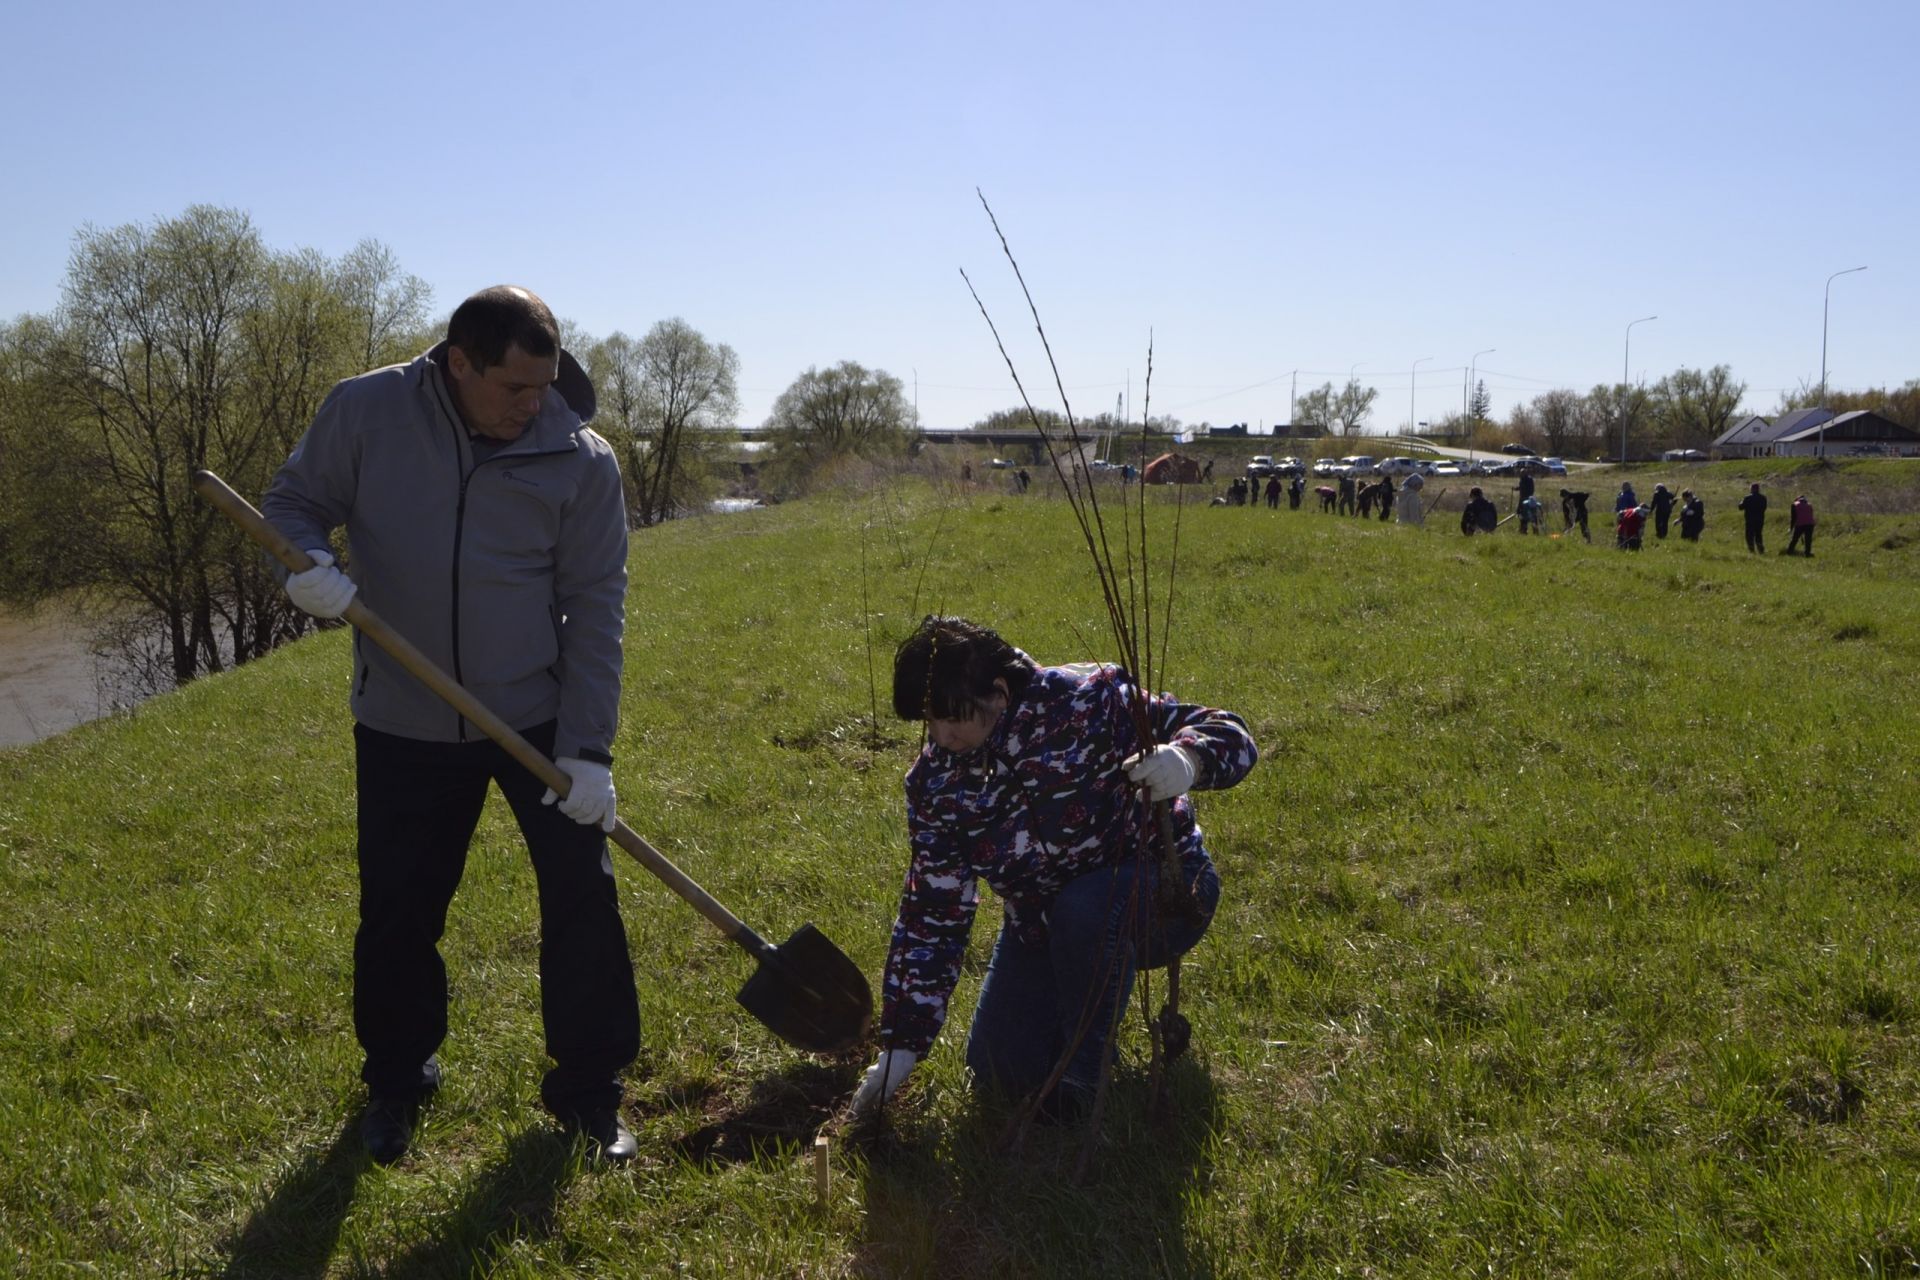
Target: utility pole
[1626,348]
[1826,301]
[1413,416]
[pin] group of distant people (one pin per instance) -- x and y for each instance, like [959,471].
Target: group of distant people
[1631,516]
[1247,491]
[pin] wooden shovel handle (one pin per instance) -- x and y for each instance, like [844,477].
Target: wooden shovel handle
[255,525]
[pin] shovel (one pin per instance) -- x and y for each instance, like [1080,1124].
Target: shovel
[806,990]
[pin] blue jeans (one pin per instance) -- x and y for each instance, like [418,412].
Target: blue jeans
[1036,995]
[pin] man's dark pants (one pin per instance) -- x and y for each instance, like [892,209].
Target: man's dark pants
[419,804]
[1756,535]
[1802,535]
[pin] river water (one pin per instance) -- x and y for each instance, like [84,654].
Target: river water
[47,675]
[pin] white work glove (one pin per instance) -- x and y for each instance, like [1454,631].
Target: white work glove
[589,801]
[1165,772]
[883,1079]
[323,590]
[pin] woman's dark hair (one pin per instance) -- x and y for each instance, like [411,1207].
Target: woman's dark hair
[492,320]
[945,670]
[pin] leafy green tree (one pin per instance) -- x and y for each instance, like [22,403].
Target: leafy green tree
[1692,406]
[1018,419]
[843,411]
[178,345]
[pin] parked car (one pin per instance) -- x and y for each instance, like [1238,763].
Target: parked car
[1398,467]
[1691,455]
[1555,467]
[1450,467]
[1290,466]
[1325,467]
[1357,464]
[1517,449]
[999,464]
[1261,467]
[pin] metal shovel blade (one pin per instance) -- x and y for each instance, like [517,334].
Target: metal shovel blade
[807,992]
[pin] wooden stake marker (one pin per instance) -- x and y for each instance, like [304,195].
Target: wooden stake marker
[821,1172]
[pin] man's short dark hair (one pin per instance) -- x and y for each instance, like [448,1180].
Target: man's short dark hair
[506,315]
[945,670]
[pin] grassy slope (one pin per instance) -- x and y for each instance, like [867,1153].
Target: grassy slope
[1570,927]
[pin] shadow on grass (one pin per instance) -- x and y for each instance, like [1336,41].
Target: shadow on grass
[516,1197]
[955,1203]
[781,1114]
[293,1234]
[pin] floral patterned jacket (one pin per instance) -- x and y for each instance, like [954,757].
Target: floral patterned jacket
[1042,802]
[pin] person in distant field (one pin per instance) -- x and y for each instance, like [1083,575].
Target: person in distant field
[1625,498]
[1385,498]
[1206,472]
[1328,496]
[1273,493]
[1627,528]
[1693,515]
[487,526]
[1573,508]
[1367,495]
[1662,503]
[1295,487]
[1237,492]
[1411,509]
[1754,508]
[1345,506]
[1037,781]
[1800,521]
[1530,512]
[1525,490]
[1023,479]
[1480,516]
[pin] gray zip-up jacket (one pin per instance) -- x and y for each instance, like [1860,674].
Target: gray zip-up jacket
[511,573]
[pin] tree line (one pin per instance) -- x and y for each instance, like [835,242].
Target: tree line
[190,343]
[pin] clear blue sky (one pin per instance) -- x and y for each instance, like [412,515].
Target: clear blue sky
[1263,187]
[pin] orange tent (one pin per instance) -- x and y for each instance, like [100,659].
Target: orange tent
[1172,468]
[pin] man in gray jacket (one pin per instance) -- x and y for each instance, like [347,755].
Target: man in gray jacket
[485,523]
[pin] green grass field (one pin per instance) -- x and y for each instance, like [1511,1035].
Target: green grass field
[1569,925]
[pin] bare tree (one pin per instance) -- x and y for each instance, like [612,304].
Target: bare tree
[388,305]
[661,398]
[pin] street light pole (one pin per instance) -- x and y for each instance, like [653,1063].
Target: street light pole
[1473,368]
[1413,415]
[1624,356]
[1821,449]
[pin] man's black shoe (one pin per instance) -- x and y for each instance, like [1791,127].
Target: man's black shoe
[386,1127]
[606,1135]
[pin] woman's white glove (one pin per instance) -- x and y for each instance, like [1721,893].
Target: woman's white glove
[883,1079]
[323,590]
[1165,772]
[589,801]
